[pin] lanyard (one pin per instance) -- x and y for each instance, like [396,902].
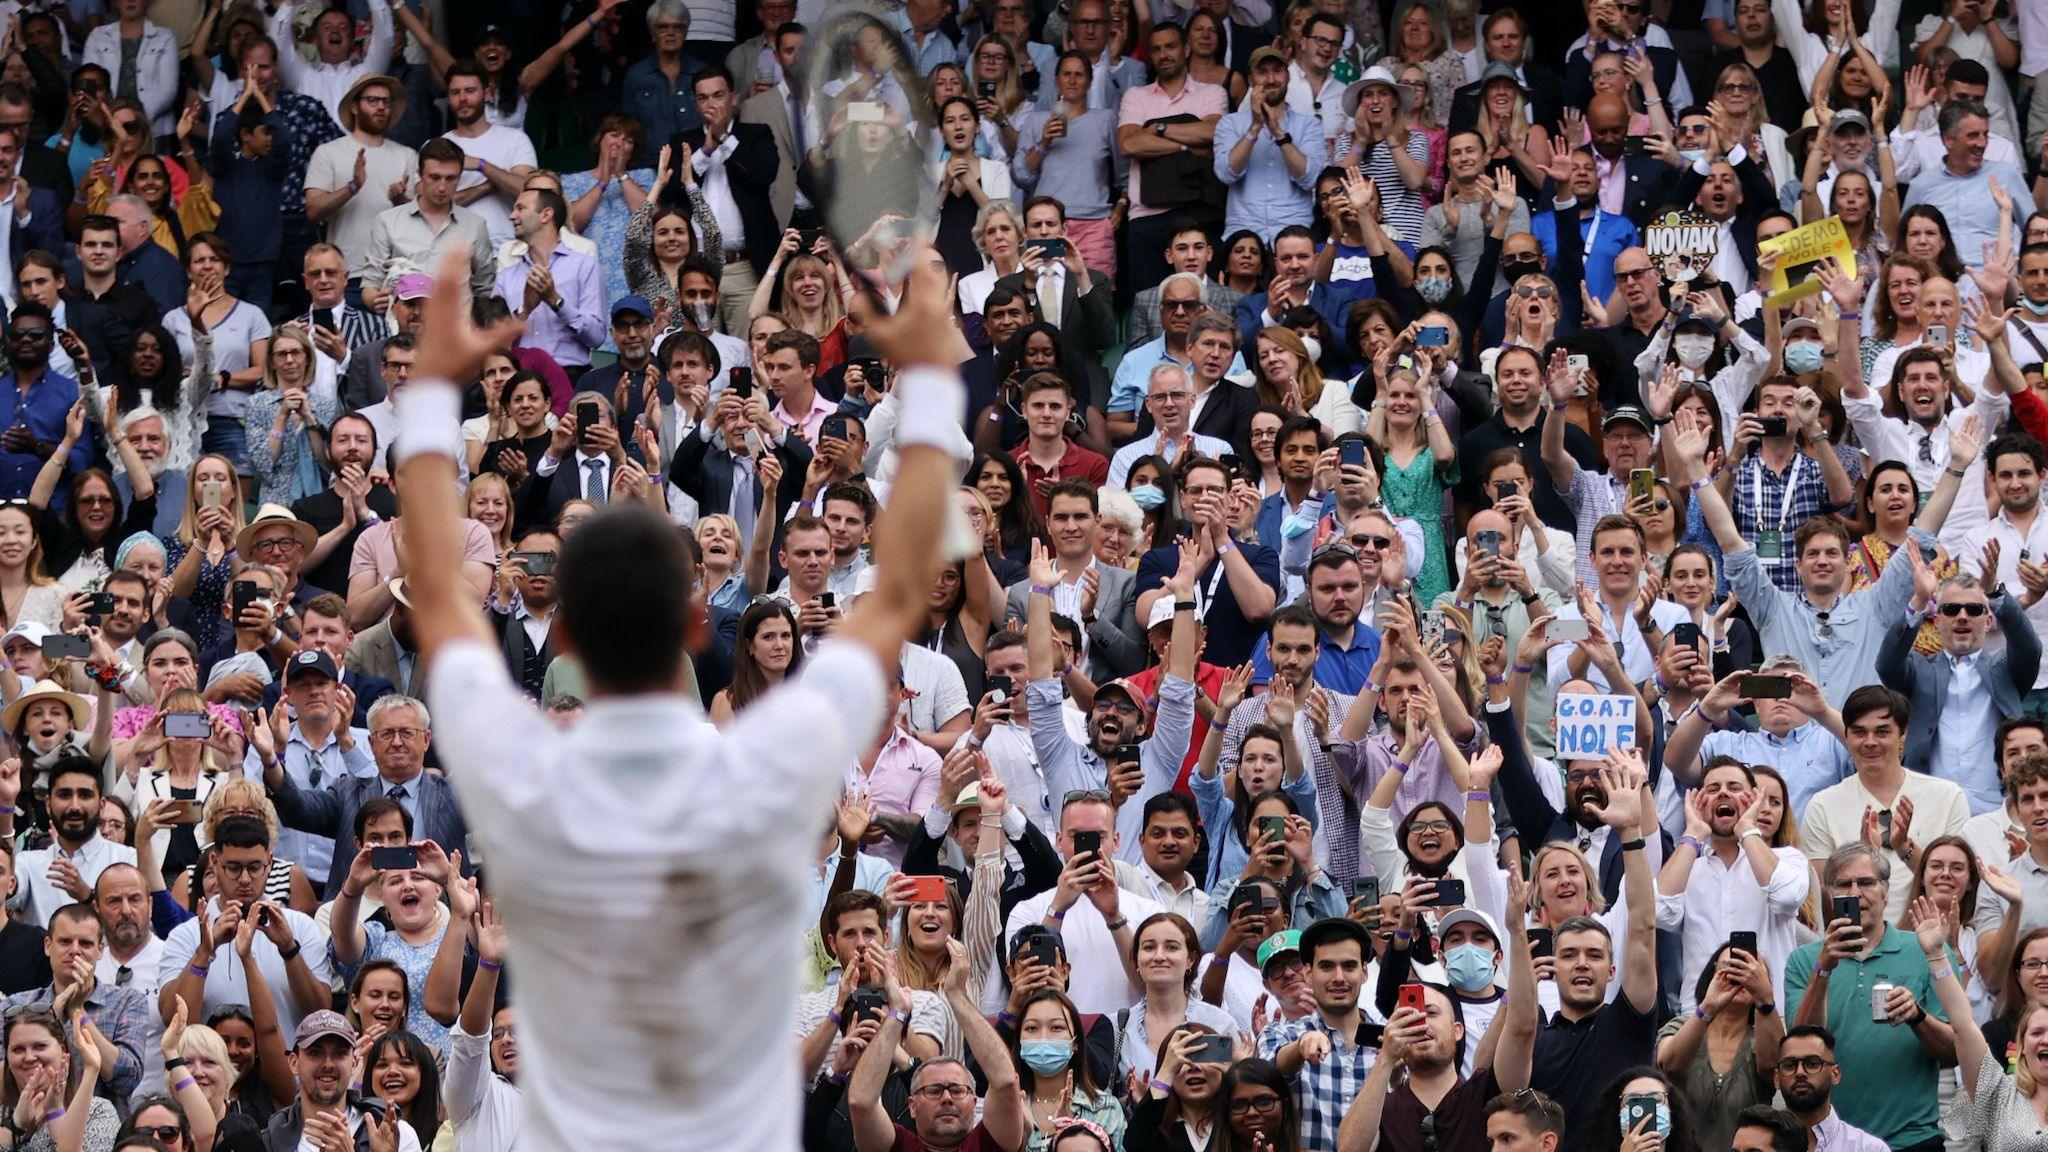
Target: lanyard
[1205,596]
[1785,504]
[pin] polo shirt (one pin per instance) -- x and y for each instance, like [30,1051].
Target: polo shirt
[1338,668]
[1076,461]
[1888,1079]
[977,1140]
[1574,1062]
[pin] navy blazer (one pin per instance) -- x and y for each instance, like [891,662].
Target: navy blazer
[333,814]
[45,227]
[368,689]
[1924,679]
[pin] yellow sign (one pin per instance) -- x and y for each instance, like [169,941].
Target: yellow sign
[1800,254]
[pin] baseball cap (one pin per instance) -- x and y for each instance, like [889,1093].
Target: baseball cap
[1129,689]
[413,286]
[1267,52]
[325,1022]
[1468,916]
[311,660]
[32,631]
[1629,414]
[1162,613]
[1848,118]
[1279,944]
[1030,932]
[1799,324]
[637,305]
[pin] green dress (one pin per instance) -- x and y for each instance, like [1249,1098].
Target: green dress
[1416,492]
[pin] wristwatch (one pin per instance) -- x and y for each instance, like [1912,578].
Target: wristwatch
[1159,128]
[1284,141]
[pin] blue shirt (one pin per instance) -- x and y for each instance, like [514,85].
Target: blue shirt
[1265,197]
[1808,757]
[664,108]
[1965,201]
[1135,370]
[250,192]
[1602,244]
[43,410]
[1338,669]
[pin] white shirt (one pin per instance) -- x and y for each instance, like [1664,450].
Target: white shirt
[408,1140]
[2013,545]
[641,861]
[507,148]
[1964,728]
[1627,636]
[1096,982]
[1722,898]
[225,982]
[325,82]
[716,189]
[1835,817]
[1920,150]
[333,165]
[38,898]
[143,977]
[1325,104]
[482,1105]
[1888,438]
[1160,444]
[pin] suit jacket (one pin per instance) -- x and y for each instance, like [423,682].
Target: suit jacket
[705,474]
[751,173]
[1757,198]
[375,654]
[1578,74]
[1924,679]
[368,690]
[1243,42]
[1227,416]
[44,167]
[1649,182]
[1327,302]
[1545,94]
[45,227]
[104,334]
[1116,641]
[324,812]
[769,110]
[1088,323]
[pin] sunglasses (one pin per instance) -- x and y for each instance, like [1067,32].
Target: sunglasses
[1363,540]
[1970,610]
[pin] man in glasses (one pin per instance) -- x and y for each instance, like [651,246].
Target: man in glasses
[1961,694]
[1187,250]
[1169,398]
[36,401]
[1891,1045]
[1623,26]
[1807,1076]
[1179,298]
[942,1096]
[202,965]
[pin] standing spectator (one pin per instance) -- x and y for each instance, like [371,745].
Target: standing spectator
[141,57]
[299,124]
[1267,152]
[660,89]
[409,237]
[1169,123]
[1062,160]
[498,159]
[35,402]
[331,76]
[1961,186]
[65,871]
[354,178]
[560,291]
[287,422]
[735,172]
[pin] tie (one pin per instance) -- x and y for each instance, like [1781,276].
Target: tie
[397,793]
[593,481]
[1927,448]
[796,128]
[123,975]
[1049,298]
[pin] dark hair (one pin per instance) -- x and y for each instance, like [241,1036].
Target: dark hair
[803,343]
[1166,804]
[1875,698]
[70,762]
[846,903]
[2016,443]
[1787,1133]
[1870,486]
[1265,1074]
[1539,1112]
[1415,816]
[1166,517]
[375,808]
[688,340]
[1946,262]
[1074,488]
[713,72]
[424,1113]
[624,599]
[748,679]
[1221,259]
[157,1100]
[362,977]
[1083,1079]
[441,149]
[162,387]
[1606,1137]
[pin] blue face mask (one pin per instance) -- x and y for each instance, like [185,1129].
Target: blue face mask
[1802,357]
[1147,496]
[1433,289]
[2036,309]
[1663,1122]
[1470,967]
[1046,1057]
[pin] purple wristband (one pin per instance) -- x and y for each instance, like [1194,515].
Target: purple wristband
[1487,796]
[181,1085]
[196,970]
[1524,669]
[489,965]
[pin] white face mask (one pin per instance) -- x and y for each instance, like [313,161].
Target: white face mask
[1692,348]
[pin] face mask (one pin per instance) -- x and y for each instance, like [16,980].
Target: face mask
[1147,497]
[1692,155]
[1693,349]
[1470,967]
[1433,289]
[701,313]
[1802,357]
[1663,1122]
[1046,1057]
[2040,309]
[1516,269]
[1315,348]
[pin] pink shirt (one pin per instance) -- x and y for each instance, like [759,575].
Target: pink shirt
[1152,102]
[376,551]
[129,722]
[904,780]
[812,421]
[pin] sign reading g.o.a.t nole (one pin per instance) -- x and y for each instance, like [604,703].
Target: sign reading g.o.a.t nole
[1682,244]
[1590,726]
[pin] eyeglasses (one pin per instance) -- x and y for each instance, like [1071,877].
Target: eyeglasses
[1179,305]
[1329,194]
[30,334]
[1804,1064]
[2034,965]
[1631,274]
[95,501]
[244,868]
[390,734]
[1124,707]
[167,1133]
[943,1091]
[1971,610]
[1429,1140]
[1427,826]
[1264,1105]
[1737,86]
[1326,41]
[1085,796]
[1377,543]
[1582,776]
[1334,548]
[275,544]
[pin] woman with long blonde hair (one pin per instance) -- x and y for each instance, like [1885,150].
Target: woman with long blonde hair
[1740,91]
[198,553]
[808,291]
[1505,128]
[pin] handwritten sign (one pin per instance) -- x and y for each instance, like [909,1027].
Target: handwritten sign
[1802,251]
[1682,244]
[1588,727]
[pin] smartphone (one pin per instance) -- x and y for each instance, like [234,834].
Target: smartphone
[1567,628]
[324,318]
[1449,893]
[1578,363]
[183,812]
[864,112]
[1001,687]
[1503,490]
[1051,247]
[987,88]
[834,428]
[828,600]
[263,917]
[188,725]
[1371,1035]
[243,593]
[1489,541]
[1042,948]
[1929,553]
[927,889]
[1541,943]
[1086,844]
[65,647]
[536,563]
[395,856]
[1433,336]
[212,494]
[1231,463]
[1884,826]
[1638,1109]
[1430,630]
[1126,753]
[1766,687]
[99,603]
[1213,1048]
[1366,888]
[1635,146]
[1937,334]
[742,382]
[1411,996]
[1273,828]
[1642,483]
[1845,908]
[1687,634]
[867,1003]
[587,416]
[1351,453]
[1744,942]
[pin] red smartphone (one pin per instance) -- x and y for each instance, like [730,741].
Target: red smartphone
[1410,997]
[927,889]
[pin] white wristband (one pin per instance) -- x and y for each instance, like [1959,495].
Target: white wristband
[429,421]
[933,409]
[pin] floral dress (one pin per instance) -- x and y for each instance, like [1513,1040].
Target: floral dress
[1866,563]
[208,593]
[607,227]
[286,467]
[1417,492]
